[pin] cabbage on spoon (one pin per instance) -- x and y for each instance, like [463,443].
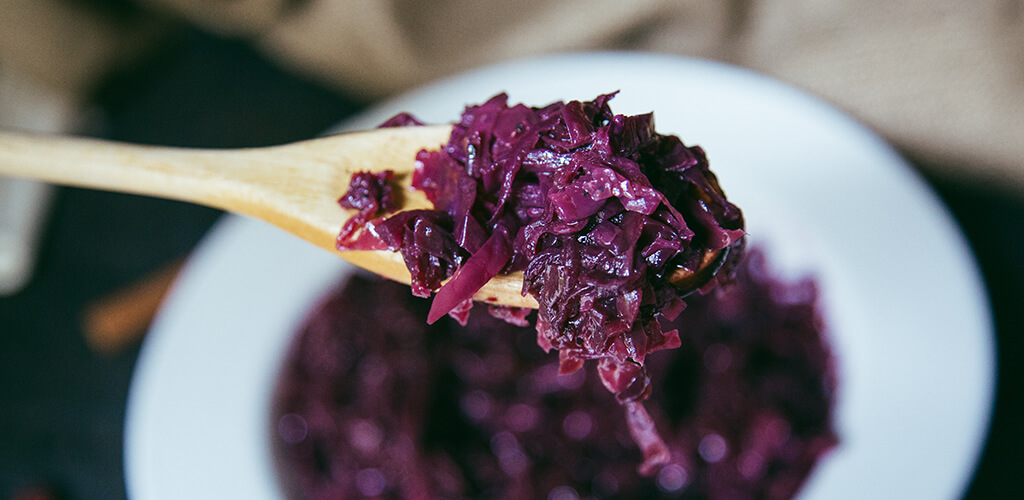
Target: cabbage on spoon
[597,210]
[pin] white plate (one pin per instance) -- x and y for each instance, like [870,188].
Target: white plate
[908,315]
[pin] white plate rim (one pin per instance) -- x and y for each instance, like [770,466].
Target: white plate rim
[147,418]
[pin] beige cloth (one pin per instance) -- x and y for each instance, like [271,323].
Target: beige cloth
[941,79]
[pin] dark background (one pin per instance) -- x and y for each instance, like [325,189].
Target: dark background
[62,403]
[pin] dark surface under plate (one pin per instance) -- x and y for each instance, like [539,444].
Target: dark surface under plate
[62,404]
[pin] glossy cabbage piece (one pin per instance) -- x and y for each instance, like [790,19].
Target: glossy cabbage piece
[401,409]
[369,193]
[595,208]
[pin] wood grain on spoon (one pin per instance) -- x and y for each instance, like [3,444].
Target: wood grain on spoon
[293,186]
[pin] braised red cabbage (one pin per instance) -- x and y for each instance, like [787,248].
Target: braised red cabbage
[400,409]
[596,209]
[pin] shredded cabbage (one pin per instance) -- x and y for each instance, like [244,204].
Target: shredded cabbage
[596,209]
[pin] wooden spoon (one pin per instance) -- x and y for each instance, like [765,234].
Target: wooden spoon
[294,186]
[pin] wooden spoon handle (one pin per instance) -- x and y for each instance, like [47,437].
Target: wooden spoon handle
[294,186]
[236,180]
[183,174]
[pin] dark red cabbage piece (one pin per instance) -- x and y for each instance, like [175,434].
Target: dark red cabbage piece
[399,409]
[369,193]
[596,209]
[401,120]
